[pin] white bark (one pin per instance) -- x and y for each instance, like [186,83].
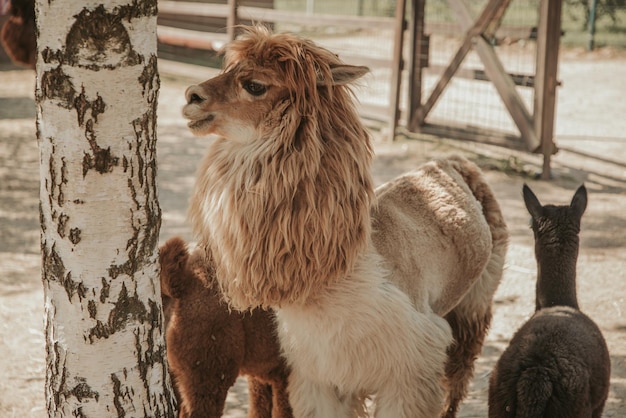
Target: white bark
[97,87]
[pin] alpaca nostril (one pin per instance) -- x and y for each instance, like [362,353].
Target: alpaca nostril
[194,95]
[194,98]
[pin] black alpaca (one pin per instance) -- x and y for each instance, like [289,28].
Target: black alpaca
[557,364]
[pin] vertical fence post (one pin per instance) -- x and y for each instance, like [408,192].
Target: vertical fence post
[592,24]
[397,66]
[548,41]
[417,61]
[231,20]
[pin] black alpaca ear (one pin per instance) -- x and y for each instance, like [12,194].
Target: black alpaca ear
[532,203]
[579,201]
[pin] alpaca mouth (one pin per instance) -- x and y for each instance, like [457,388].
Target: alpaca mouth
[198,124]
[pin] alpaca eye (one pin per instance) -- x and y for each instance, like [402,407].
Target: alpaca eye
[254,88]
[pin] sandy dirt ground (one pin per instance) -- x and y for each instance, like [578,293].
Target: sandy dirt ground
[590,103]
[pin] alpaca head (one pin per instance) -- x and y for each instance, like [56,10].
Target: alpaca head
[556,225]
[283,197]
[265,77]
[556,230]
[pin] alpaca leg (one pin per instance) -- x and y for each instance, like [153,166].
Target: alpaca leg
[415,389]
[421,398]
[203,392]
[597,413]
[469,334]
[260,395]
[311,399]
[280,401]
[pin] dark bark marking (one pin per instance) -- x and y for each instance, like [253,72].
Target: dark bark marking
[154,354]
[69,285]
[61,196]
[53,266]
[78,413]
[82,105]
[74,236]
[54,271]
[150,80]
[53,177]
[97,36]
[92,309]
[44,226]
[49,56]
[56,377]
[117,395]
[101,160]
[83,391]
[55,187]
[104,293]
[81,290]
[97,332]
[127,308]
[137,9]
[55,84]
[62,224]
[145,132]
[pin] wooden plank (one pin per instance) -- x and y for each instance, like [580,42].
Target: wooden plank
[548,40]
[259,14]
[512,33]
[472,133]
[521,80]
[194,9]
[496,19]
[208,41]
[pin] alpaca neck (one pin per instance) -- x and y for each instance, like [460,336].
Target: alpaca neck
[556,278]
[281,223]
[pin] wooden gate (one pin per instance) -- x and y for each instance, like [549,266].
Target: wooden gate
[536,125]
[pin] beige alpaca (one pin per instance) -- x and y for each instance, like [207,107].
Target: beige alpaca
[369,292]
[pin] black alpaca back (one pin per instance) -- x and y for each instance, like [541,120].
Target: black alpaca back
[557,364]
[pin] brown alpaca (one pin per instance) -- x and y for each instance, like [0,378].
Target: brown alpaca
[18,33]
[208,346]
[370,288]
[557,364]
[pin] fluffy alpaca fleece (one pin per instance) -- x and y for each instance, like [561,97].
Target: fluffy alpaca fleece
[208,346]
[18,33]
[284,200]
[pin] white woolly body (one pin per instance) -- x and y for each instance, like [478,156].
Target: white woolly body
[361,348]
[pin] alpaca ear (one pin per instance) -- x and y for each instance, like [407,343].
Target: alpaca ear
[173,257]
[532,203]
[579,201]
[345,74]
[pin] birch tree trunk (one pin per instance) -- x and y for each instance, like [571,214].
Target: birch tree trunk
[97,88]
